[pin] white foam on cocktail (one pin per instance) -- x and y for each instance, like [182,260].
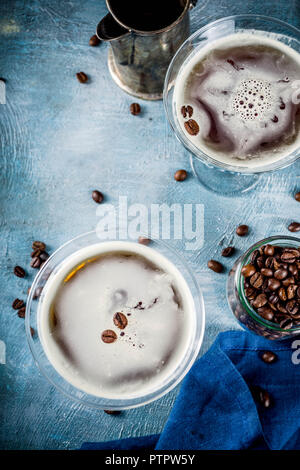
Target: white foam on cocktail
[244,131]
[157,337]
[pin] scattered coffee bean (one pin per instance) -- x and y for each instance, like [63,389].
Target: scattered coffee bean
[36,253]
[21,312]
[120,320]
[82,77]
[135,109]
[191,127]
[215,266]
[35,263]
[226,252]
[32,332]
[17,304]
[19,272]
[297,196]
[294,227]
[248,270]
[180,175]
[94,41]
[97,196]
[109,336]
[268,357]
[265,399]
[112,412]
[144,240]
[44,256]
[242,230]
[37,245]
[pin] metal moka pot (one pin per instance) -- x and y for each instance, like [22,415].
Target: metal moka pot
[138,60]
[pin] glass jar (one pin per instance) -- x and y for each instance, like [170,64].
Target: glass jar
[238,302]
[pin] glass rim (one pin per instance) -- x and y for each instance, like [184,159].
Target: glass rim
[192,148]
[245,258]
[168,383]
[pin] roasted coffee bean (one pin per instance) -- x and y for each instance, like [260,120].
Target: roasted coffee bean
[37,245]
[36,253]
[272,306]
[82,77]
[44,256]
[254,256]
[260,301]
[297,196]
[97,196]
[94,41]
[187,110]
[268,357]
[269,262]
[112,412]
[21,312]
[120,320]
[282,294]
[293,269]
[32,332]
[256,280]
[281,308]
[191,127]
[298,292]
[260,262]
[286,324]
[291,291]
[35,263]
[289,256]
[288,281]
[248,270]
[180,175]
[273,299]
[294,227]
[269,250]
[242,230]
[266,312]
[292,307]
[17,304]
[280,274]
[273,284]
[266,272]
[144,240]
[250,293]
[226,252]
[135,109]
[215,266]
[265,399]
[19,272]
[109,336]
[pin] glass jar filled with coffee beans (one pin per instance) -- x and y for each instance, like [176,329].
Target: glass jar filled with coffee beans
[263,288]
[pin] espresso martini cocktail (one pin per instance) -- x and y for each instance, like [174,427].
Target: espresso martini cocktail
[235,100]
[116,320]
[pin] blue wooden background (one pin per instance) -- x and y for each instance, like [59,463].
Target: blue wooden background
[58,141]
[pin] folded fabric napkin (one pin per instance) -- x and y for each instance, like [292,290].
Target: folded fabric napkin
[215,408]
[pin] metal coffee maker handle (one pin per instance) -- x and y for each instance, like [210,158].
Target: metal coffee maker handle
[138,60]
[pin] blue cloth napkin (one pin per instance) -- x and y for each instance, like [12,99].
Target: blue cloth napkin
[215,408]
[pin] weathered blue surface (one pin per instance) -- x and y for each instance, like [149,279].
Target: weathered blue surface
[60,140]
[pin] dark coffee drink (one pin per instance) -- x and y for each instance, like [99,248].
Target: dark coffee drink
[147,15]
